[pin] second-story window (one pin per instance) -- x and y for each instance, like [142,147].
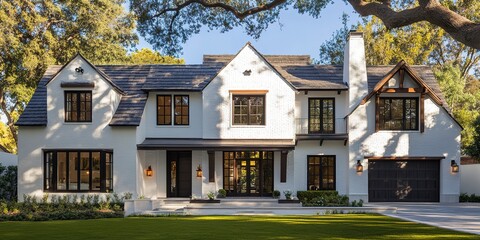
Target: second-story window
[180,110]
[78,106]
[321,115]
[398,113]
[248,109]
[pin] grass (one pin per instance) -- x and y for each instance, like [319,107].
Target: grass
[348,226]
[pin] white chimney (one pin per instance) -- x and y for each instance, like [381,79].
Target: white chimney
[355,68]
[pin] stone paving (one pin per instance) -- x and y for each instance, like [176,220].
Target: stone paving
[463,217]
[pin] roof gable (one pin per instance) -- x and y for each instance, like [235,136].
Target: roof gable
[248,46]
[403,68]
[79,57]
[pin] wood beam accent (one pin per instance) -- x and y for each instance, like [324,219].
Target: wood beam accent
[211,166]
[283,166]
[77,84]
[403,158]
[422,112]
[248,91]
[402,77]
[401,90]
[377,112]
[321,142]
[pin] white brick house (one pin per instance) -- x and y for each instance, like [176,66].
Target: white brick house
[251,123]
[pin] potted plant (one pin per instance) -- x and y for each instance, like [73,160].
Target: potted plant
[288,198]
[210,199]
[288,194]
[222,193]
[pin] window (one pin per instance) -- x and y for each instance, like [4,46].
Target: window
[398,113]
[78,106]
[321,173]
[78,171]
[248,110]
[180,110]
[321,115]
[164,110]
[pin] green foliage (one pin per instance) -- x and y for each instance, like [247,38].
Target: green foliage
[474,148]
[276,194]
[8,183]
[464,197]
[62,208]
[331,51]
[222,193]
[322,198]
[147,56]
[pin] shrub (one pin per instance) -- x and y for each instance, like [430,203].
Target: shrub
[464,197]
[322,198]
[276,194]
[8,183]
[222,193]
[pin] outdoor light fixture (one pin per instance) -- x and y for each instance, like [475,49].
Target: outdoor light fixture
[149,171]
[79,70]
[359,167]
[199,171]
[454,167]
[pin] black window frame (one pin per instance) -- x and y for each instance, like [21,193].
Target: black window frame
[382,119]
[68,114]
[50,170]
[164,112]
[180,115]
[321,175]
[172,113]
[249,123]
[320,116]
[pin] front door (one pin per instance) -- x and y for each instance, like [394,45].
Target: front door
[179,174]
[248,173]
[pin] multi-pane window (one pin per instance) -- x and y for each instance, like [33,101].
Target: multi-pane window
[398,113]
[248,110]
[180,110]
[78,171]
[164,110]
[321,173]
[321,115]
[78,106]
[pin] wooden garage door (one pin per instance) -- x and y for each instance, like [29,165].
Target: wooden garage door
[403,181]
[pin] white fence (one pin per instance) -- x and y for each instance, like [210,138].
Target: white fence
[470,179]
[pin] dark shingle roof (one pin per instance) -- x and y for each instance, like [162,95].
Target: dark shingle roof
[308,77]
[272,59]
[180,77]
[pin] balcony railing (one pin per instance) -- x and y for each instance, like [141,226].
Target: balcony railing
[302,127]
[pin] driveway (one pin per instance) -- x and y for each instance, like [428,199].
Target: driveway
[463,217]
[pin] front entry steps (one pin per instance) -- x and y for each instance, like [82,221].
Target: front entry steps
[236,206]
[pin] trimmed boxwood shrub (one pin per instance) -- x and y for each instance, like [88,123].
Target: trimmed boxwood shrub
[322,199]
[464,197]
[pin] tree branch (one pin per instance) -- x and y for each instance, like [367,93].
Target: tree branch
[238,14]
[3,148]
[459,27]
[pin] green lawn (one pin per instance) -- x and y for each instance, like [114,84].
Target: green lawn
[360,226]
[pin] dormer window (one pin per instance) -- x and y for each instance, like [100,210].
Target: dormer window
[78,106]
[398,113]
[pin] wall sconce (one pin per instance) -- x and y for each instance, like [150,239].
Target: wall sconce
[149,171]
[454,167]
[199,171]
[359,168]
[79,70]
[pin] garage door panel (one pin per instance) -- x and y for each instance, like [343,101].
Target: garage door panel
[404,181]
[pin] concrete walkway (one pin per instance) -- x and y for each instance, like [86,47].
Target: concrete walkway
[463,217]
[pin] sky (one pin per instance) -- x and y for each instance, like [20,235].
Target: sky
[293,34]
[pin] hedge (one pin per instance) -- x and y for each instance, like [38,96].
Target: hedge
[322,198]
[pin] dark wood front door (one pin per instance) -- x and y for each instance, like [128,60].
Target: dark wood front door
[179,174]
[403,181]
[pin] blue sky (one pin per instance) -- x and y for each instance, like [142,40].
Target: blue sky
[293,34]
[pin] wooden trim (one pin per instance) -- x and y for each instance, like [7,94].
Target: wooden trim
[422,112]
[283,166]
[173,116]
[384,80]
[77,84]
[165,113]
[401,90]
[377,112]
[402,158]
[248,91]
[211,166]
[402,78]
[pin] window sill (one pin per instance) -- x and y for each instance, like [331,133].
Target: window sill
[77,123]
[399,131]
[172,126]
[248,126]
